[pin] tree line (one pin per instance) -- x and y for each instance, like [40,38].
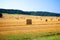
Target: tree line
[36,13]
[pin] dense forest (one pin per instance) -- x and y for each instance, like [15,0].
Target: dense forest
[36,13]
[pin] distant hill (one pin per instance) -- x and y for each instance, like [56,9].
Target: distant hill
[36,13]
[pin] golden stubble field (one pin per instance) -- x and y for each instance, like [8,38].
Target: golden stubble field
[15,28]
[29,29]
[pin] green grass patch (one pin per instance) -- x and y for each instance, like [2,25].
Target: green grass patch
[31,36]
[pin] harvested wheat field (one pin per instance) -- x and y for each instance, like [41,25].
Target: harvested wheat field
[16,24]
[29,29]
[30,32]
[15,27]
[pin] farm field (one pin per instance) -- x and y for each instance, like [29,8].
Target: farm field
[30,32]
[14,27]
[29,29]
[29,37]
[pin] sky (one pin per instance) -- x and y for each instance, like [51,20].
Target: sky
[32,5]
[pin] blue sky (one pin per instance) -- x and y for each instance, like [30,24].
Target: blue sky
[32,5]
